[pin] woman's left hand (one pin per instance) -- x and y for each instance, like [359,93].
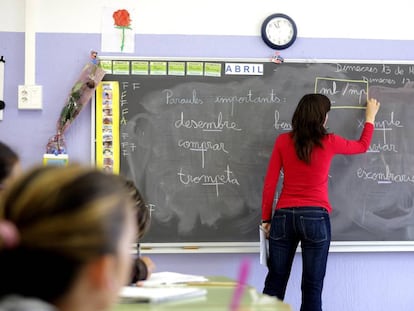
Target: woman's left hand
[266,228]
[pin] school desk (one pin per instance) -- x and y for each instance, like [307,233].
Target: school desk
[219,295]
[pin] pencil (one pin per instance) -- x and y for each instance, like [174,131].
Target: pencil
[241,283]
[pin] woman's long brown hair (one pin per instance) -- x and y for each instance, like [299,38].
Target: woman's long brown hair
[308,127]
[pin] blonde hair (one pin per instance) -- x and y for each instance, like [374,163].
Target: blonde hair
[65,217]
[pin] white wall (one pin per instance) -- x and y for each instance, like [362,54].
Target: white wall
[315,19]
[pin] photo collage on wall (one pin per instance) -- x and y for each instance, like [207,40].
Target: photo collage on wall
[107,134]
[107,130]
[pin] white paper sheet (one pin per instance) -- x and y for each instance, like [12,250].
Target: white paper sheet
[170,278]
[117,39]
[155,295]
[264,246]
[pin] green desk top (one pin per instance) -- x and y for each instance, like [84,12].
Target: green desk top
[218,298]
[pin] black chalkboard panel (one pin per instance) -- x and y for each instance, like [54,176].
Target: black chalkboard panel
[198,146]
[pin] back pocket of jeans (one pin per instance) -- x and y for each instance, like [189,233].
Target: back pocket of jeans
[278,228]
[314,228]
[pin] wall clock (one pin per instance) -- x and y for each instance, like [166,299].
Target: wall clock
[279,31]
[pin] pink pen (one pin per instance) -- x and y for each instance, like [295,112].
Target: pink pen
[241,284]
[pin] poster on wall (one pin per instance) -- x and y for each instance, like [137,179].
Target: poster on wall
[107,126]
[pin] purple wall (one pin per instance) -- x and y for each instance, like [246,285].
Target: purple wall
[354,281]
[60,58]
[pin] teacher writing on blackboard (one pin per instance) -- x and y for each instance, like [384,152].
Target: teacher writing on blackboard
[302,210]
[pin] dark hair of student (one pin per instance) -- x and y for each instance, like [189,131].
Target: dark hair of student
[139,269]
[308,127]
[8,158]
[66,217]
[143,215]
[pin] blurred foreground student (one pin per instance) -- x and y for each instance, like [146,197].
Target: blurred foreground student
[10,166]
[143,265]
[65,240]
[302,210]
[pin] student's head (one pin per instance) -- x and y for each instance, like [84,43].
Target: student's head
[308,123]
[9,165]
[142,212]
[311,112]
[66,236]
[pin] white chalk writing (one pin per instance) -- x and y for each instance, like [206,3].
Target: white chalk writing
[386,81]
[171,100]
[202,147]
[249,99]
[355,68]
[209,180]
[285,126]
[217,125]
[384,177]
[382,147]
[198,145]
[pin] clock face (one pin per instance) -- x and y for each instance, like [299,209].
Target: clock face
[279,31]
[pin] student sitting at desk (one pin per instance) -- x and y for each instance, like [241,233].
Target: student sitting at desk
[143,265]
[65,236]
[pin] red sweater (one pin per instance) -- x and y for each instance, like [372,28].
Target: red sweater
[306,184]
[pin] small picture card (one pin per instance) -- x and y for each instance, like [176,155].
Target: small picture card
[56,160]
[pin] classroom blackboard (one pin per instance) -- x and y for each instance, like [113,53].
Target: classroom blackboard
[196,137]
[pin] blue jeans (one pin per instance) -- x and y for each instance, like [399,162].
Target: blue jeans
[310,226]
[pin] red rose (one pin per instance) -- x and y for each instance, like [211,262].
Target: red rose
[121,18]
[122,21]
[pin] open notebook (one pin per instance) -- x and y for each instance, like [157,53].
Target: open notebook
[169,278]
[159,294]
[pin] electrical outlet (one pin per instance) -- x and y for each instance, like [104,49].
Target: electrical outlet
[30,97]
